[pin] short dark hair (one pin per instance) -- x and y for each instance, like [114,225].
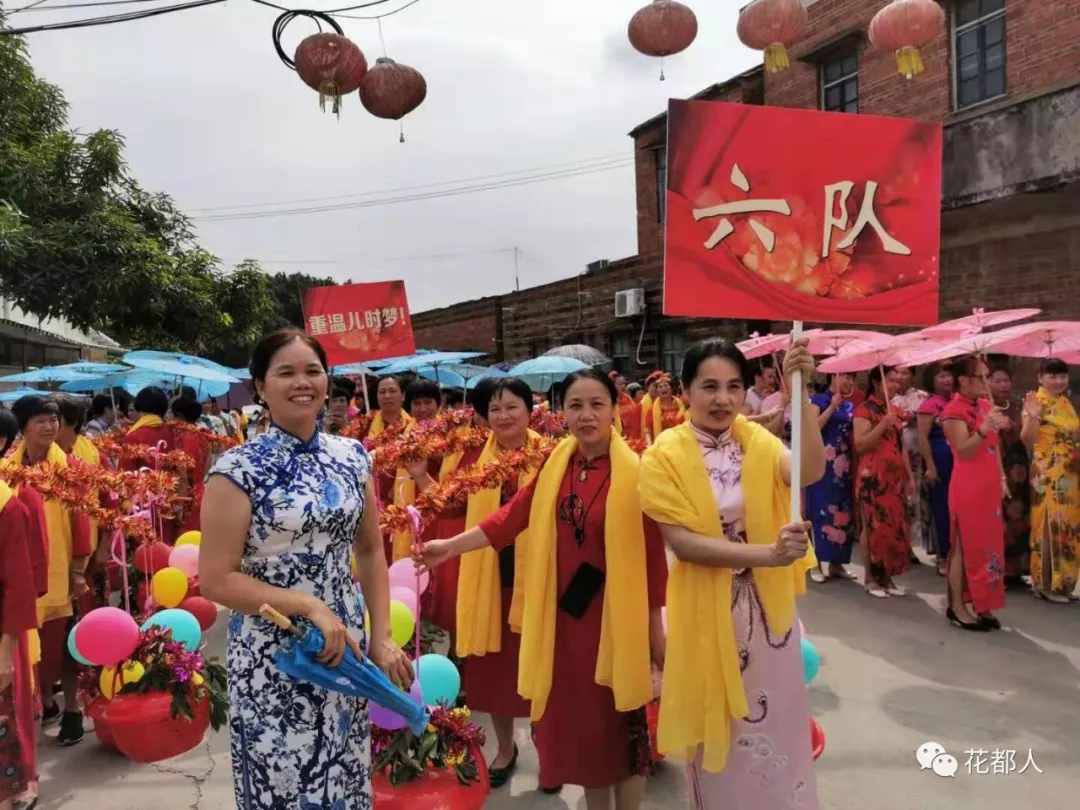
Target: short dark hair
[72,411]
[269,345]
[152,400]
[396,378]
[344,384]
[480,394]
[701,351]
[964,367]
[930,372]
[186,409]
[515,386]
[26,408]
[878,373]
[9,429]
[1053,365]
[452,397]
[99,404]
[421,389]
[605,380]
[340,393]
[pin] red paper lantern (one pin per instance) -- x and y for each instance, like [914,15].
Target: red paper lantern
[772,26]
[331,64]
[903,27]
[392,90]
[662,28]
[152,557]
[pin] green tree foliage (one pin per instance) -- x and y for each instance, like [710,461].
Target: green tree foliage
[81,240]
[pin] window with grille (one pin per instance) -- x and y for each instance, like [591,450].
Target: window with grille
[671,352]
[978,50]
[840,83]
[620,353]
[661,183]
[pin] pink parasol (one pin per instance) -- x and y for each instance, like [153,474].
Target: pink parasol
[1048,339]
[760,345]
[887,354]
[848,341]
[979,319]
[946,348]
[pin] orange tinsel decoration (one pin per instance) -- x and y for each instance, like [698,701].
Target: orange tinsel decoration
[428,444]
[216,440]
[455,489]
[142,454]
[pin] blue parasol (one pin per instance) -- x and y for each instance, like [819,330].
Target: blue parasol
[358,678]
[19,393]
[541,373]
[456,375]
[180,365]
[136,380]
[65,373]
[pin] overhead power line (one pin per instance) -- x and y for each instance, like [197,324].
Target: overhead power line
[107,20]
[542,178]
[604,160]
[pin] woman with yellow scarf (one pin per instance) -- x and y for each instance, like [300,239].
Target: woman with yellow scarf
[592,589]
[1051,429]
[666,411]
[733,703]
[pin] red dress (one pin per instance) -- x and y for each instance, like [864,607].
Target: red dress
[881,496]
[582,739]
[38,543]
[198,447]
[18,616]
[444,579]
[975,511]
[154,437]
[630,416]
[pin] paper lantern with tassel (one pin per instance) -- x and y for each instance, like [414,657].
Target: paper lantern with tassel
[392,90]
[332,64]
[903,27]
[662,28]
[772,26]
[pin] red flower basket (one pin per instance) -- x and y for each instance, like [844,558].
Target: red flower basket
[102,727]
[817,739]
[433,790]
[145,730]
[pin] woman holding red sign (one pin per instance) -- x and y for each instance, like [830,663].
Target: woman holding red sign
[882,480]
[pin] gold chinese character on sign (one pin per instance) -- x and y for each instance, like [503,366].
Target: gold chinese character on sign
[724,228]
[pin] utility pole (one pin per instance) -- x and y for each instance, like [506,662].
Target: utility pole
[517,277]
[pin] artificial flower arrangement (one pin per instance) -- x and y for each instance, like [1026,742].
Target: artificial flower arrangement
[451,741]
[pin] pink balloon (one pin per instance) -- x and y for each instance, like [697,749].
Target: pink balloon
[186,558]
[407,596]
[392,721]
[106,636]
[403,575]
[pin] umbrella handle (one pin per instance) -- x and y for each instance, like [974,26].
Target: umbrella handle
[282,621]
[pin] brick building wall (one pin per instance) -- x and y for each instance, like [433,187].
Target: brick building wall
[471,326]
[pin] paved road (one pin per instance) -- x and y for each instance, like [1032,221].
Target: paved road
[894,675]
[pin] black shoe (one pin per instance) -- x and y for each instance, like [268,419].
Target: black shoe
[71,729]
[974,627]
[552,791]
[497,777]
[990,621]
[51,715]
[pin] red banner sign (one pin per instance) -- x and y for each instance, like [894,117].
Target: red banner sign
[360,322]
[799,215]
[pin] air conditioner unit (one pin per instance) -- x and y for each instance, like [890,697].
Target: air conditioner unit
[629,303]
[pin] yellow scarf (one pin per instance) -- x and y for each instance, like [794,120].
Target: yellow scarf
[646,411]
[703,688]
[84,451]
[404,495]
[622,661]
[658,416]
[56,604]
[479,602]
[378,425]
[146,420]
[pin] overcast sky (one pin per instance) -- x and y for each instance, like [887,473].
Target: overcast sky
[211,116]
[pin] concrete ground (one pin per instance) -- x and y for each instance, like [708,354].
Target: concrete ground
[894,675]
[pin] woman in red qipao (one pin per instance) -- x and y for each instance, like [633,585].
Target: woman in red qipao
[627,412]
[883,481]
[976,569]
[195,442]
[668,410]
[150,430]
[595,577]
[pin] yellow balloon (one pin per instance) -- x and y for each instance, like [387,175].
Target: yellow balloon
[197,679]
[402,623]
[192,538]
[133,672]
[169,587]
[109,683]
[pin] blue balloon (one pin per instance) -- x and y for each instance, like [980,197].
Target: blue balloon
[73,651]
[185,627]
[811,661]
[440,681]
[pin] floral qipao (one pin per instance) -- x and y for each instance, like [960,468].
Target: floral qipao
[1055,498]
[975,509]
[880,485]
[828,501]
[293,744]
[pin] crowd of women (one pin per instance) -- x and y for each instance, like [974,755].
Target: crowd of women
[554,586]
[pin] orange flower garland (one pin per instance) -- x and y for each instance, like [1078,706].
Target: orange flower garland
[434,443]
[216,440]
[142,454]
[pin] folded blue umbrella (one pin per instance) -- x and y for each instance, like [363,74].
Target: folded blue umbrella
[355,677]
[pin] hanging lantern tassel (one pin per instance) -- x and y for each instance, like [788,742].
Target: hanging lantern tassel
[909,62]
[328,62]
[905,26]
[776,58]
[392,90]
